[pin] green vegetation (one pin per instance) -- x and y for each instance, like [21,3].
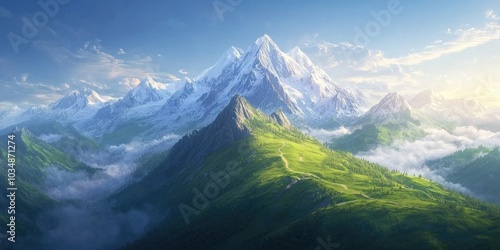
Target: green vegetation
[70,141]
[459,159]
[371,136]
[287,191]
[33,157]
[476,169]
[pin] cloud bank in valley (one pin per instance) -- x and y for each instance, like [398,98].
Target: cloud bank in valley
[90,222]
[116,165]
[95,226]
[324,135]
[410,157]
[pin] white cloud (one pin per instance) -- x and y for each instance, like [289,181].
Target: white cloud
[116,165]
[464,39]
[24,77]
[173,77]
[121,51]
[130,82]
[324,135]
[410,157]
[333,54]
[375,61]
[492,15]
[36,92]
[376,73]
[50,138]
[94,64]
[94,84]
[183,71]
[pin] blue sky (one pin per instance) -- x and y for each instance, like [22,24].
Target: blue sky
[451,46]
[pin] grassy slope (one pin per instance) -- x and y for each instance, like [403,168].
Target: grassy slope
[371,136]
[32,159]
[355,203]
[71,142]
[476,169]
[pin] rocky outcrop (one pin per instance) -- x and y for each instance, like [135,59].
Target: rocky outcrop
[279,117]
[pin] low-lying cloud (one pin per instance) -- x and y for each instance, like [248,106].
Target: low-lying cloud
[90,222]
[114,169]
[410,157]
[50,138]
[324,135]
[93,226]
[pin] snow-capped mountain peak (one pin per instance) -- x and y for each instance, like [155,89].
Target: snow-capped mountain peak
[394,102]
[13,110]
[428,97]
[227,61]
[149,82]
[78,99]
[265,40]
[265,53]
[457,110]
[147,91]
[301,58]
[269,79]
[392,108]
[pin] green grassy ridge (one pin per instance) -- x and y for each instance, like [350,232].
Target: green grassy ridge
[335,193]
[458,159]
[481,175]
[372,135]
[476,169]
[72,142]
[33,157]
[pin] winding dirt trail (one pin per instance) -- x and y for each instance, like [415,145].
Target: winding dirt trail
[287,166]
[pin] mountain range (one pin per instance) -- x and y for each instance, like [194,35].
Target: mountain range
[242,174]
[247,182]
[266,76]
[395,118]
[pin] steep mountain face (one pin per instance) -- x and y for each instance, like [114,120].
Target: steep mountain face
[229,126]
[75,107]
[11,116]
[33,158]
[265,185]
[266,76]
[427,98]
[393,108]
[459,110]
[269,79]
[140,102]
[476,169]
[147,91]
[391,119]
[12,111]
[78,100]
[280,118]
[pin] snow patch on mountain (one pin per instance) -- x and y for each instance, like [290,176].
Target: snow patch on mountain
[392,108]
